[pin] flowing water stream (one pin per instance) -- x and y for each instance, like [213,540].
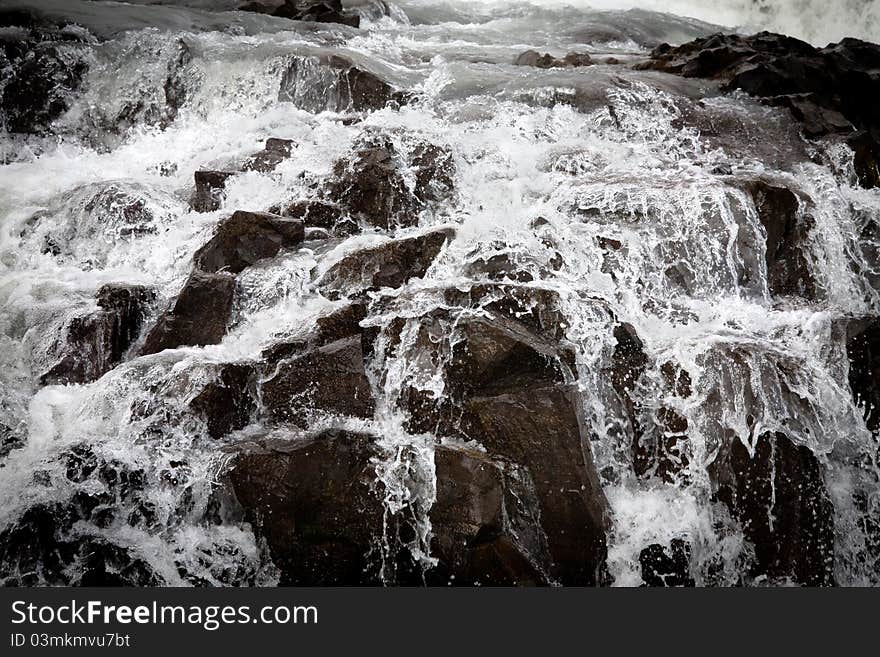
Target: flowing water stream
[551,166]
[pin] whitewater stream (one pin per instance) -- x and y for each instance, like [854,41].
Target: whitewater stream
[620,191]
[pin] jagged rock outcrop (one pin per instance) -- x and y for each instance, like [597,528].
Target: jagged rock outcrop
[326,379]
[511,388]
[778,495]
[198,316]
[44,66]
[317,502]
[94,343]
[787,227]
[314,503]
[391,264]
[228,401]
[332,83]
[829,90]
[485,523]
[370,184]
[245,238]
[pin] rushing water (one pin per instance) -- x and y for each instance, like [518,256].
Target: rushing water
[601,153]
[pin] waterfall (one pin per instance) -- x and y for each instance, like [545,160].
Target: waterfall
[457,321]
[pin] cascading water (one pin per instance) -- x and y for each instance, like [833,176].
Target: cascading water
[627,195]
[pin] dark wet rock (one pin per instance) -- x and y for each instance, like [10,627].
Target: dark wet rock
[94,343]
[208,193]
[39,549]
[485,523]
[198,316]
[317,503]
[665,452]
[390,264]
[175,87]
[540,427]
[787,227]
[659,449]
[511,389]
[667,566]
[779,497]
[572,59]
[42,77]
[326,379]
[245,238]
[331,83]
[274,153]
[863,351]
[228,401]
[319,11]
[866,150]
[317,214]
[341,323]
[830,90]
[313,501]
[628,364]
[370,183]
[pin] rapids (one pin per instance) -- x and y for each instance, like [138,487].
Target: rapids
[551,166]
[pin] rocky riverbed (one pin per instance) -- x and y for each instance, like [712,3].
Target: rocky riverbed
[304,293]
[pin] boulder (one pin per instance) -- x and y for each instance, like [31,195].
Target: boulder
[571,60]
[208,193]
[512,390]
[317,501]
[778,496]
[541,428]
[315,504]
[485,523]
[371,186]
[245,238]
[391,264]
[274,153]
[198,316]
[94,343]
[326,379]
[228,401]
[331,83]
